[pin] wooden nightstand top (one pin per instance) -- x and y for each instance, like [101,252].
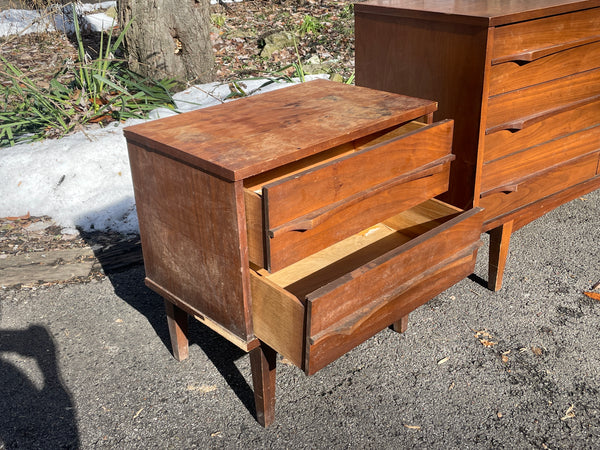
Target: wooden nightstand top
[236,140]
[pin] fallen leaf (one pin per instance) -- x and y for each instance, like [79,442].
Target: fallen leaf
[412,427]
[504,358]
[482,333]
[287,362]
[537,351]
[487,343]
[204,389]
[569,414]
[25,217]
[593,295]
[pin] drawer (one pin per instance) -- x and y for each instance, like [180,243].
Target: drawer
[316,310]
[504,174]
[305,208]
[513,75]
[515,109]
[538,186]
[529,40]
[505,142]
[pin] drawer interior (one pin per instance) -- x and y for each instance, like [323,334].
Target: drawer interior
[256,183]
[329,264]
[282,301]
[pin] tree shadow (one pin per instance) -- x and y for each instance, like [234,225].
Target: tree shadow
[34,414]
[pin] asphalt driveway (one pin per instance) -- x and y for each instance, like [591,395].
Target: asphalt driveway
[89,365]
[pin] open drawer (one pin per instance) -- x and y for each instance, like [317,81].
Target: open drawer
[304,207]
[317,309]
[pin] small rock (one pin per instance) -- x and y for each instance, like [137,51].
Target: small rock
[277,41]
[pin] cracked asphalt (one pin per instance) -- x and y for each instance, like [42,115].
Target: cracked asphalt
[89,365]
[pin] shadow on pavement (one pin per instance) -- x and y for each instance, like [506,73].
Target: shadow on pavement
[35,412]
[129,286]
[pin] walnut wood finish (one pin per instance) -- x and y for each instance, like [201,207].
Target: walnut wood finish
[520,78]
[300,221]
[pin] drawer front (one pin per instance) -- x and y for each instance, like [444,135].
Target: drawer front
[500,204]
[525,40]
[513,75]
[318,187]
[507,172]
[365,284]
[515,109]
[505,142]
[303,238]
[334,343]
[349,310]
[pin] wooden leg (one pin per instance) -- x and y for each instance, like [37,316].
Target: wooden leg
[499,242]
[263,364]
[401,325]
[177,319]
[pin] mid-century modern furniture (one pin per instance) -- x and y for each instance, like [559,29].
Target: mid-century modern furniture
[521,79]
[300,221]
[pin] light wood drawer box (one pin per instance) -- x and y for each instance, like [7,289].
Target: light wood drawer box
[316,310]
[521,81]
[301,221]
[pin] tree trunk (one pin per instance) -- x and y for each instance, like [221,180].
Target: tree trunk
[169,38]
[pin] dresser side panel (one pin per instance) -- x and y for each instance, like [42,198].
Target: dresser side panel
[434,60]
[191,238]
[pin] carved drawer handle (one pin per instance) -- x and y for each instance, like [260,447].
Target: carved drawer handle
[315,218]
[351,323]
[524,122]
[528,56]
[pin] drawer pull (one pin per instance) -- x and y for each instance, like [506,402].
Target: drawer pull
[531,55]
[524,122]
[514,185]
[351,323]
[507,189]
[314,219]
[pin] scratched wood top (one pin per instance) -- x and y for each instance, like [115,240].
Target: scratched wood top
[239,139]
[475,12]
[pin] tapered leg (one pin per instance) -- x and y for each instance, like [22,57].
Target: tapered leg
[499,242]
[263,364]
[401,325]
[177,320]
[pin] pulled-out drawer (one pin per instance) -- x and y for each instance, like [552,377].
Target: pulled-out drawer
[515,109]
[300,209]
[506,173]
[526,41]
[537,186]
[317,309]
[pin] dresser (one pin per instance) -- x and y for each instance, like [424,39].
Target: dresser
[520,78]
[300,221]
